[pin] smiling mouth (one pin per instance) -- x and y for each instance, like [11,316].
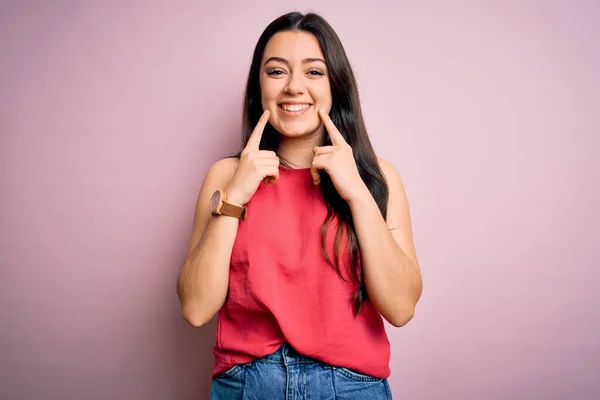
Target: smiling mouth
[294,109]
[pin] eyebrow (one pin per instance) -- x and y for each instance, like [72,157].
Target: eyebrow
[305,61]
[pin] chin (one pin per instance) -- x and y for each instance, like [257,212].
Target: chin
[297,131]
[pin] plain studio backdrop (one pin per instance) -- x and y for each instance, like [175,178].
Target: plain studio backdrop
[111,113]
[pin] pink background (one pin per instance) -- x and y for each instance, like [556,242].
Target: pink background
[111,112]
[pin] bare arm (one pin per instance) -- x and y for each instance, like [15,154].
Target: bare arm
[204,277]
[391,270]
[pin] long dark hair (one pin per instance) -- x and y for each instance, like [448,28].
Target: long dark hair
[347,116]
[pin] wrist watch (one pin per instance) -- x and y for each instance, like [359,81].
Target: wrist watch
[219,206]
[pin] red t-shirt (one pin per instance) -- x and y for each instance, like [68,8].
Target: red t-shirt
[281,288]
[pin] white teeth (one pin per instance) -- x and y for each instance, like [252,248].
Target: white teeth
[294,107]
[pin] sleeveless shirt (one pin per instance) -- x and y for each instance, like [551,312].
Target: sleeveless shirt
[282,289]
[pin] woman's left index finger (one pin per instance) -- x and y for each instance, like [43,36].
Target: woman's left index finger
[334,133]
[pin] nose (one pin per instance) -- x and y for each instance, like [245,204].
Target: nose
[295,84]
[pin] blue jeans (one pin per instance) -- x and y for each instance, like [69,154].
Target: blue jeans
[288,375]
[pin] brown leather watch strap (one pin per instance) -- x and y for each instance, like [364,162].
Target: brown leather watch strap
[233,211]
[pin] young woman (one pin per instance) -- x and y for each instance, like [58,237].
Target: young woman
[302,243]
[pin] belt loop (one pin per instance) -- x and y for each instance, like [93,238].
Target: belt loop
[285,350]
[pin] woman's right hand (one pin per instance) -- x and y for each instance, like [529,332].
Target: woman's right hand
[254,167]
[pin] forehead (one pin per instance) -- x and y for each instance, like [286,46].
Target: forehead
[293,46]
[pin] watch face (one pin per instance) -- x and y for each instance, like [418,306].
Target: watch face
[214,201]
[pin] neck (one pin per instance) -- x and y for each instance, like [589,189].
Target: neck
[298,152]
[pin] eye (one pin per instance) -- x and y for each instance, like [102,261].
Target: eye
[275,71]
[316,72]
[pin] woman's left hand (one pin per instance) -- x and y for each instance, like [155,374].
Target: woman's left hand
[338,161]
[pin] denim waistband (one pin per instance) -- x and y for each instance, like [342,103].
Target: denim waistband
[286,354]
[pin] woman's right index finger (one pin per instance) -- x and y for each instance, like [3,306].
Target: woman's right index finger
[254,140]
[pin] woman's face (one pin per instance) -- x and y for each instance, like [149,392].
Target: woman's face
[294,83]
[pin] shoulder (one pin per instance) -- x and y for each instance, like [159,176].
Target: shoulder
[223,168]
[397,201]
[219,174]
[225,164]
[389,172]
[398,211]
